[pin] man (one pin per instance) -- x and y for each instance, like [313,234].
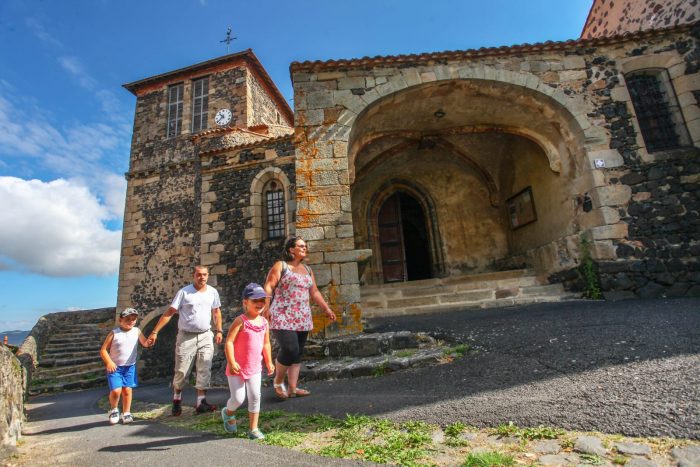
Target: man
[195,303]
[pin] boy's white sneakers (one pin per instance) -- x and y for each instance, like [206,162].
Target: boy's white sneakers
[127,418]
[114,416]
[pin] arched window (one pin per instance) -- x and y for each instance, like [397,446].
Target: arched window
[659,116]
[273,210]
[272,207]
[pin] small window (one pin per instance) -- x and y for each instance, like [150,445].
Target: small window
[200,104]
[659,116]
[175,93]
[273,215]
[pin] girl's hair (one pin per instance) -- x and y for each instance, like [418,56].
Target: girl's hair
[289,244]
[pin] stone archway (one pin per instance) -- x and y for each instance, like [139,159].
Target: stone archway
[473,145]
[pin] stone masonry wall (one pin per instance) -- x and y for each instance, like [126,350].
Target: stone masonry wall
[150,147]
[614,17]
[262,110]
[160,237]
[12,383]
[586,79]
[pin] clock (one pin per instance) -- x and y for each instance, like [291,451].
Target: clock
[223,117]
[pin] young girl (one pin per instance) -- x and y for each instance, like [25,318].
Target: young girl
[119,352]
[247,341]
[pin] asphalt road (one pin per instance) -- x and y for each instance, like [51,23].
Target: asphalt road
[629,367]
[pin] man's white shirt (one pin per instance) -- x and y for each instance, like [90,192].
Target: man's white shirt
[195,308]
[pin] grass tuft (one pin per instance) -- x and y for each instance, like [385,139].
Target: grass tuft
[488,459]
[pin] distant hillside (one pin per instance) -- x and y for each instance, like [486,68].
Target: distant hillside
[14,337]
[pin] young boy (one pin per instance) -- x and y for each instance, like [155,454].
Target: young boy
[119,354]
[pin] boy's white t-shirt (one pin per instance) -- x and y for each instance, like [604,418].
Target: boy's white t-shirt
[123,350]
[195,308]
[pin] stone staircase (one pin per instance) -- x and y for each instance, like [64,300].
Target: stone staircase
[71,359]
[487,290]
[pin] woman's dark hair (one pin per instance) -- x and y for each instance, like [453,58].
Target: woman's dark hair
[288,245]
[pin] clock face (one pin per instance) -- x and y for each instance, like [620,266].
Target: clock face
[223,117]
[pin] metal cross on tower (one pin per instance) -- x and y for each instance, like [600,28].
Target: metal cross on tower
[228,39]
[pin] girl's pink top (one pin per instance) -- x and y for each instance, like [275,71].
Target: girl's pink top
[248,348]
[290,308]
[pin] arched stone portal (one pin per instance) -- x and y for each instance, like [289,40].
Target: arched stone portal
[402,229]
[473,145]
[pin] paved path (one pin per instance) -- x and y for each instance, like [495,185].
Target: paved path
[70,429]
[630,367]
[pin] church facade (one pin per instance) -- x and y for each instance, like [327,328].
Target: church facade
[426,166]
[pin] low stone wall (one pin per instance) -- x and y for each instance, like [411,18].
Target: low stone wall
[12,385]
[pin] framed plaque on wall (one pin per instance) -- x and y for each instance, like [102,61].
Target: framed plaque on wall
[521,209]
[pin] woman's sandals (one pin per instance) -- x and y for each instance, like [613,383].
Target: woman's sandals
[299,392]
[281,391]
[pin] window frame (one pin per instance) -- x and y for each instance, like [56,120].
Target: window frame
[200,95]
[672,113]
[274,216]
[173,126]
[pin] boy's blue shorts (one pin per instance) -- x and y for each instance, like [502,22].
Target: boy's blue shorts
[123,377]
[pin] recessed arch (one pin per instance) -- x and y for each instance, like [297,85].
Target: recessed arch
[421,195]
[468,106]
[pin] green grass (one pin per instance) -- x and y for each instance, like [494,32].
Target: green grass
[380,370]
[405,353]
[488,459]
[540,432]
[457,351]
[592,459]
[381,441]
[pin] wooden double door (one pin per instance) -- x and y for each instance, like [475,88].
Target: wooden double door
[403,239]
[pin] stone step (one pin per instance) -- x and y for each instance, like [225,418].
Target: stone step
[486,290]
[55,362]
[77,341]
[462,306]
[67,386]
[94,344]
[372,344]
[70,353]
[78,375]
[55,372]
[96,334]
[372,366]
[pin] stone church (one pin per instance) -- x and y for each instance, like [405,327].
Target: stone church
[415,173]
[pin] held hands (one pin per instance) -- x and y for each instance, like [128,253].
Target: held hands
[151,340]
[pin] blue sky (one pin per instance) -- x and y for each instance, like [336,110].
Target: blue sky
[65,120]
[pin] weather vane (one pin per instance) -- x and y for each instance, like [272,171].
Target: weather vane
[228,39]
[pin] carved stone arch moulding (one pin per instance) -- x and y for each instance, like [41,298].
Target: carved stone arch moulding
[255,234]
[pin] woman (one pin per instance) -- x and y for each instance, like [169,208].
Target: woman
[290,314]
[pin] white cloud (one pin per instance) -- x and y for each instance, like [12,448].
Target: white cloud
[41,33]
[75,67]
[55,229]
[79,151]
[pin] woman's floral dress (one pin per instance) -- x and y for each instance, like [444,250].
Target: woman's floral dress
[290,308]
